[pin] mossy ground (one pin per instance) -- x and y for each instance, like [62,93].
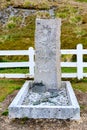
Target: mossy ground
[23,37]
[31,4]
[18,38]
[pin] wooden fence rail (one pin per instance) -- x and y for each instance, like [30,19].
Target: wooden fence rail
[79,64]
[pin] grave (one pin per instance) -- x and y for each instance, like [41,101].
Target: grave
[47,96]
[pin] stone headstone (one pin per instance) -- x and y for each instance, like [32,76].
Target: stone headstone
[47,55]
[42,98]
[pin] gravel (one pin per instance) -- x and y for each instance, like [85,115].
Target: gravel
[54,98]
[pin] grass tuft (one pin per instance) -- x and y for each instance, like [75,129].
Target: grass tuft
[5,113]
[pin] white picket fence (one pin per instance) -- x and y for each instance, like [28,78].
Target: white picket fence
[79,64]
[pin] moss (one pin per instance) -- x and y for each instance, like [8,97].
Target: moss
[5,113]
[31,4]
[69,39]
[18,38]
[4,3]
[82,107]
[74,26]
[44,15]
[35,5]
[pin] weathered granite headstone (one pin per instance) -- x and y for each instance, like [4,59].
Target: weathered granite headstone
[47,56]
[39,98]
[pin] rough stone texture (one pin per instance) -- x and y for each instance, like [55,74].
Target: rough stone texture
[47,98]
[17,110]
[47,56]
[39,88]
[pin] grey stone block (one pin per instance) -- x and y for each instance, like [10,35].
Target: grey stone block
[47,53]
[17,110]
[39,88]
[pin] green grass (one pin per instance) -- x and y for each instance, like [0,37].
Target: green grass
[68,70]
[7,86]
[77,84]
[82,0]
[15,70]
[26,70]
[81,85]
[72,70]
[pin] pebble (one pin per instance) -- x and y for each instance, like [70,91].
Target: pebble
[48,98]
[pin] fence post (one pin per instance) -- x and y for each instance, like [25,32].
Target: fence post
[79,61]
[31,61]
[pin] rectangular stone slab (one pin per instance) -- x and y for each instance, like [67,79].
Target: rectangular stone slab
[47,55]
[17,110]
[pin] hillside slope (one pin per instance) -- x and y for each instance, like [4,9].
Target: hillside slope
[74,24]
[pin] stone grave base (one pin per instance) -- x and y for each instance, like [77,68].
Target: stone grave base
[19,109]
